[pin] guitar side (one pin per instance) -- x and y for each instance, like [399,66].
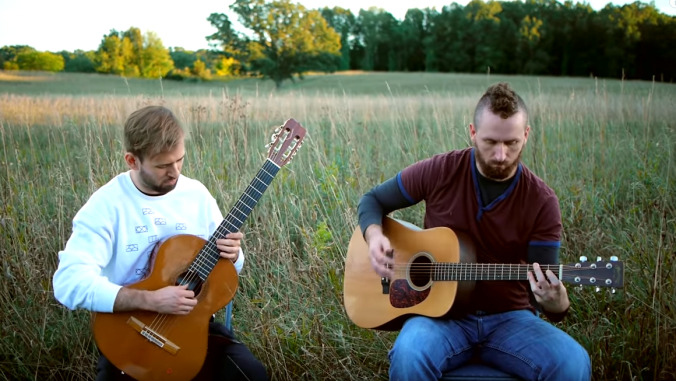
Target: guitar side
[179,357]
[365,301]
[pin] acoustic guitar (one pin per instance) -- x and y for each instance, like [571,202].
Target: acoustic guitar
[434,271]
[152,346]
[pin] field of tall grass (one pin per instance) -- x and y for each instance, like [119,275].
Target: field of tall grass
[605,146]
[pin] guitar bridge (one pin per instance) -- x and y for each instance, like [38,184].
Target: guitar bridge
[153,336]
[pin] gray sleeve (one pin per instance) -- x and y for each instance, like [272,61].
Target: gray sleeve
[379,201]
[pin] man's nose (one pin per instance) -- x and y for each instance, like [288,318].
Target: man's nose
[500,152]
[174,170]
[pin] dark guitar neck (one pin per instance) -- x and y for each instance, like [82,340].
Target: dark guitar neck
[208,256]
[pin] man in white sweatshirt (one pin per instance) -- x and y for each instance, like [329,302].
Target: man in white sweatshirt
[117,230]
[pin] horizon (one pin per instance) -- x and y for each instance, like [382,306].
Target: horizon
[86,33]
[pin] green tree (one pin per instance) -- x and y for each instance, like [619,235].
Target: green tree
[182,58]
[79,61]
[449,35]
[155,60]
[529,31]
[109,56]
[483,39]
[200,70]
[42,61]
[286,40]
[133,52]
[378,32]
[8,55]
[134,55]
[414,33]
[342,21]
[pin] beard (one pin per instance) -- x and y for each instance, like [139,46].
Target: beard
[495,170]
[158,187]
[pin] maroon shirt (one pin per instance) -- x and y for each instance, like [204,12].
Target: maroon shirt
[527,213]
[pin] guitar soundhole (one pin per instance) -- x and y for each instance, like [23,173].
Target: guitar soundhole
[192,279]
[414,290]
[420,271]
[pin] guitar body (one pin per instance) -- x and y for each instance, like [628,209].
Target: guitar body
[180,345]
[371,304]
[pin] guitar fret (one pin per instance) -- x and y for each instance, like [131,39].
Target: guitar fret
[449,271]
[208,257]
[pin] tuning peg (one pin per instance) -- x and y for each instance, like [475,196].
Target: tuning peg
[613,290]
[583,258]
[597,288]
[599,259]
[613,258]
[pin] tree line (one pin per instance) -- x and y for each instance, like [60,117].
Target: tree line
[282,40]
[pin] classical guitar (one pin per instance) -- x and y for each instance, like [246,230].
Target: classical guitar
[151,346]
[435,270]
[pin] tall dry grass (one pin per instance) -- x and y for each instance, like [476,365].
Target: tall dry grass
[606,147]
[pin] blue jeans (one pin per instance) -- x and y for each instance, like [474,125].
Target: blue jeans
[516,342]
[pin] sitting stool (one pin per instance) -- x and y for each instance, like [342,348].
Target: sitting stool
[478,372]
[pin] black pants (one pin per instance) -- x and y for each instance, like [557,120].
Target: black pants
[227,359]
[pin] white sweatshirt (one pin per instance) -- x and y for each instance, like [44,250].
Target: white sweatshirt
[115,232]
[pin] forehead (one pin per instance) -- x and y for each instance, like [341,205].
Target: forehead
[167,157]
[492,126]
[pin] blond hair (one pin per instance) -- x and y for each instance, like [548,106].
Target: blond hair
[151,130]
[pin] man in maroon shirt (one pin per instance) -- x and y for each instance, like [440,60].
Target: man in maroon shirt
[513,217]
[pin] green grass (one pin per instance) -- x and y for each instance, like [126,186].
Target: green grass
[606,147]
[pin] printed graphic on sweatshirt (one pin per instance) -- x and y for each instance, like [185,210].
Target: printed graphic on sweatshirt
[143,272]
[147,211]
[181,226]
[160,221]
[141,229]
[131,248]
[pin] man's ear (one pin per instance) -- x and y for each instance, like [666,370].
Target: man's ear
[132,161]
[525,135]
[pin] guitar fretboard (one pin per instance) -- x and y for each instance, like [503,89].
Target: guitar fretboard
[485,271]
[208,257]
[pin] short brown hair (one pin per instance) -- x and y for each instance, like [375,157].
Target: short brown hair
[151,130]
[501,100]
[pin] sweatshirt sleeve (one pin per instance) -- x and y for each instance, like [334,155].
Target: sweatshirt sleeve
[78,281]
[216,217]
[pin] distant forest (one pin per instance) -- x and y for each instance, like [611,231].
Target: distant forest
[283,40]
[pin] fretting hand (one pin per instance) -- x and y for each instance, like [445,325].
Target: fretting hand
[229,246]
[548,290]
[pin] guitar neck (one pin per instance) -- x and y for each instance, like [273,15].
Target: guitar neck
[487,271]
[208,256]
[247,201]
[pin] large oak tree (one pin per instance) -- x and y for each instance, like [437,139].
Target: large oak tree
[284,39]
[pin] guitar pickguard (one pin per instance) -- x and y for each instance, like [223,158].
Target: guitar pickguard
[403,296]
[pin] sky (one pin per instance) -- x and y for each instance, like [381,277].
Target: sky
[49,25]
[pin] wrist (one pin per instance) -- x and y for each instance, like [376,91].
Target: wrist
[372,230]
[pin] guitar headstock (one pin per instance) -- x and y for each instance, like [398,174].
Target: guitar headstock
[599,274]
[285,142]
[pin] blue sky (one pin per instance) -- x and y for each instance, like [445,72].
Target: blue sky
[49,25]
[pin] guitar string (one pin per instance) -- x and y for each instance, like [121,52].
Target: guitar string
[163,323]
[479,271]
